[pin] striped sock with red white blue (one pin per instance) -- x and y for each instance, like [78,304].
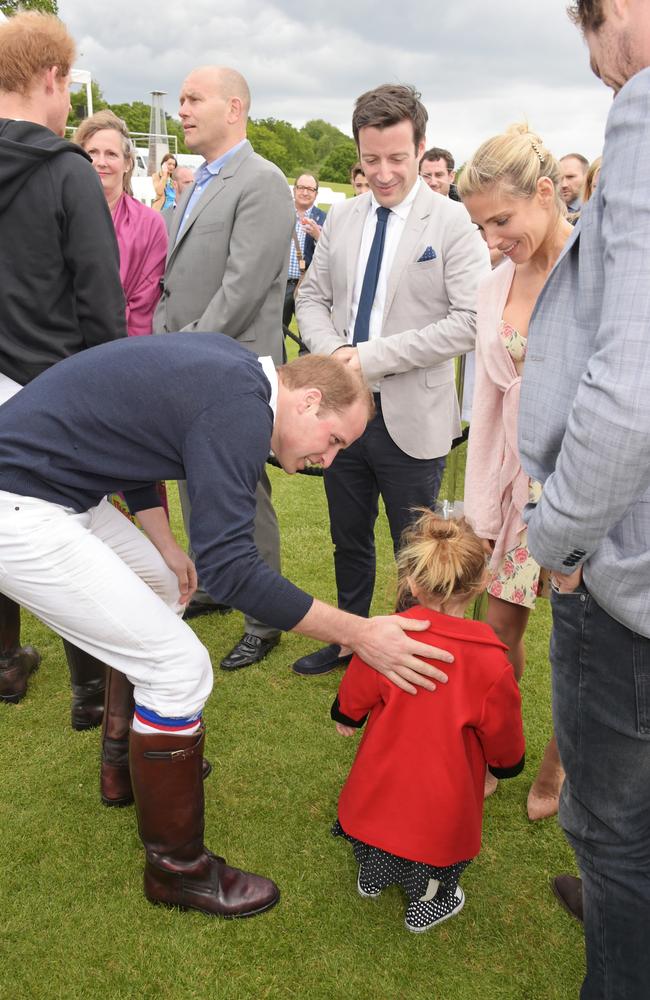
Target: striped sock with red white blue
[145,720]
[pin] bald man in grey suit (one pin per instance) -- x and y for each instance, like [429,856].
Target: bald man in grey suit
[226,271]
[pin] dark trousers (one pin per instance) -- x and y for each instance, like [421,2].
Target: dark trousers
[373,466]
[288,311]
[267,541]
[289,308]
[601,710]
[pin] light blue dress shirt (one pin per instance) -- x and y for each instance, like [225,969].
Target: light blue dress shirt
[202,179]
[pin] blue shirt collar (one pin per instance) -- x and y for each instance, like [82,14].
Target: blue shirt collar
[207,171]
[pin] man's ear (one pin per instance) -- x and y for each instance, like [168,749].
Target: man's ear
[50,79]
[310,400]
[235,110]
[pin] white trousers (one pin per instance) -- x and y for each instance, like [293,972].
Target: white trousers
[98,581]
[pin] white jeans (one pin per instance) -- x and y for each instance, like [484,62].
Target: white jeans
[98,581]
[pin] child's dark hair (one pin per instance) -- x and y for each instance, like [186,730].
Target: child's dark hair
[440,557]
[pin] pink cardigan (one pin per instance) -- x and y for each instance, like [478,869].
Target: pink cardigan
[496,487]
[142,239]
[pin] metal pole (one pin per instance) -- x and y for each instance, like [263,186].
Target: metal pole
[158,141]
[452,461]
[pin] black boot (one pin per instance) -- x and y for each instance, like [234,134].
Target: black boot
[179,870]
[16,662]
[114,776]
[87,678]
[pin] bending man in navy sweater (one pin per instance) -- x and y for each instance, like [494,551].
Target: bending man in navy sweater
[208,411]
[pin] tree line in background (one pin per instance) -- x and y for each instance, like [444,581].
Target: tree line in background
[317,147]
[10,7]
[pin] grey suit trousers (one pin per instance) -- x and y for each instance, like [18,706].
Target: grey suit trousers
[267,540]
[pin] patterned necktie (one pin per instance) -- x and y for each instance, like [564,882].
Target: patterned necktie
[369,287]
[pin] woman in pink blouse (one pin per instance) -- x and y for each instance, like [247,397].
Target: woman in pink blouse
[510,188]
[141,232]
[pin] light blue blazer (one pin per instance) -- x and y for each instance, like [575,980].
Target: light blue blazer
[584,426]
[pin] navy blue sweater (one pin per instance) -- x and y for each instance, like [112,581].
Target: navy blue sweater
[189,406]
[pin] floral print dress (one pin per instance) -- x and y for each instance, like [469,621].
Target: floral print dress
[519,579]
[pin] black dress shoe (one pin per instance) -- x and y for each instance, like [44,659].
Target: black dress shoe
[323,661]
[196,608]
[249,649]
[567,889]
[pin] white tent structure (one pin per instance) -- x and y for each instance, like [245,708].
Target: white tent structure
[83,77]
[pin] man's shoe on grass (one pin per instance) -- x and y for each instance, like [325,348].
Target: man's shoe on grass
[250,649]
[323,661]
[567,889]
[15,670]
[195,608]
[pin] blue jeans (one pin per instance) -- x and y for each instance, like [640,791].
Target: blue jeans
[601,710]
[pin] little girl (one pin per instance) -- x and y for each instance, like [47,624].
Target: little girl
[412,805]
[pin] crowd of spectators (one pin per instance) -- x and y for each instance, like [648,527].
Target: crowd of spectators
[538,262]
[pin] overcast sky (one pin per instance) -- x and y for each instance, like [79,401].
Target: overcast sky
[480,64]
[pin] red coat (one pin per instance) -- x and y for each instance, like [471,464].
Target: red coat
[416,784]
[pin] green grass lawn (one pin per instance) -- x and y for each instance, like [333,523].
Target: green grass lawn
[74,922]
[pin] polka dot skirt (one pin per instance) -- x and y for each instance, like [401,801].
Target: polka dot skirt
[430,890]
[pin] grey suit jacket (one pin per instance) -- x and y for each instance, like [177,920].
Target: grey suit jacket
[584,426]
[429,316]
[227,271]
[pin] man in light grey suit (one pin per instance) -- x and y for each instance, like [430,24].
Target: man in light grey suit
[226,271]
[585,434]
[400,314]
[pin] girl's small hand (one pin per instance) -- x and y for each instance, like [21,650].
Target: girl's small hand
[345,730]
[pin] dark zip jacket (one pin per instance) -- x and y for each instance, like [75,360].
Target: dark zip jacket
[60,286]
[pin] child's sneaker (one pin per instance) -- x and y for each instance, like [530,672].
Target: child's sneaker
[367,889]
[421,916]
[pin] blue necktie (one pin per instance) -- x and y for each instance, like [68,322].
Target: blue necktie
[369,287]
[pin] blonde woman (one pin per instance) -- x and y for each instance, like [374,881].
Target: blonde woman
[511,188]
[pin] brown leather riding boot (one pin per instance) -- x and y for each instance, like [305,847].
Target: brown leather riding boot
[179,870]
[16,662]
[87,678]
[114,776]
